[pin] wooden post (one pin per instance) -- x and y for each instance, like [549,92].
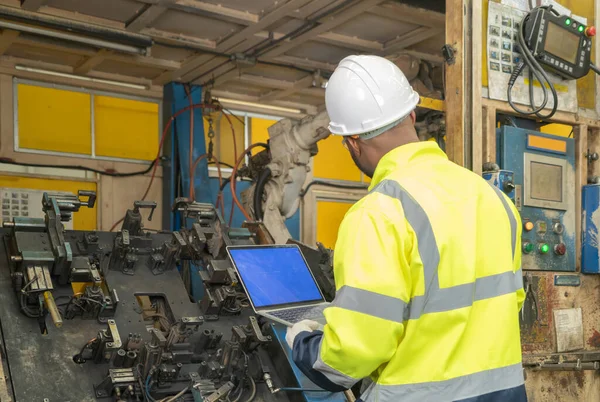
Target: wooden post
[489,134]
[455,82]
[581,174]
[477,133]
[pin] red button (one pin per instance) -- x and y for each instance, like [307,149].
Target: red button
[590,31]
[560,249]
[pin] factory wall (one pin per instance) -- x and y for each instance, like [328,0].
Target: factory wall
[539,344]
[61,126]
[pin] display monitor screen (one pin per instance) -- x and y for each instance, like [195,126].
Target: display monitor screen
[561,43]
[546,182]
[275,275]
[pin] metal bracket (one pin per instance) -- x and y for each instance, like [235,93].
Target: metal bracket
[448,52]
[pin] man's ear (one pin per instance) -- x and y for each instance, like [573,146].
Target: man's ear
[353,144]
[413,117]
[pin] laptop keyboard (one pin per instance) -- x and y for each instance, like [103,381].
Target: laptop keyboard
[298,314]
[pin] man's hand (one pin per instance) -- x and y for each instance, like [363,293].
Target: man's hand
[305,325]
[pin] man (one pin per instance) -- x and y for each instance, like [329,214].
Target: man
[427,265]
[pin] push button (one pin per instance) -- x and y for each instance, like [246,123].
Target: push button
[528,226]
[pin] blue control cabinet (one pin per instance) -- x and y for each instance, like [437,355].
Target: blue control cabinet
[590,207]
[544,193]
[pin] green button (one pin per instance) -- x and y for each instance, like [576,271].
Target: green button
[527,247]
[544,248]
[581,28]
[568,21]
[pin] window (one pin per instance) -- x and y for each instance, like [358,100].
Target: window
[61,120]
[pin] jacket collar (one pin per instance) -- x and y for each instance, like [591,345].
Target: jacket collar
[403,156]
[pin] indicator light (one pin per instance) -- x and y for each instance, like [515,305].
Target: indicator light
[527,247]
[581,28]
[560,249]
[528,226]
[544,248]
[568,21]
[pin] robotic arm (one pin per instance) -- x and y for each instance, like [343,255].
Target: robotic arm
[275,196]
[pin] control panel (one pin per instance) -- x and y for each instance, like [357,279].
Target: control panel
[544,194]
[561,43]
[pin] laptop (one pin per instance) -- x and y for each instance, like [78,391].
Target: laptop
[279,283]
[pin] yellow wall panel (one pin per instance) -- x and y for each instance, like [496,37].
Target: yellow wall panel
[329,217]
[52,119]
[334,161]
[259,130]
[126,128]
[85,219]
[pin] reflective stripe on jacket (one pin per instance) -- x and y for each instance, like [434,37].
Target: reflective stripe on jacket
[429,286]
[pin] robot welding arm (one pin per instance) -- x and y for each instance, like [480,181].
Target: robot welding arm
[291,147]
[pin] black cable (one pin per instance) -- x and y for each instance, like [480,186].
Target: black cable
[328,184]
[262,180]
[535,69]
[25,309]
[221,163]
[595,68]
[79,167]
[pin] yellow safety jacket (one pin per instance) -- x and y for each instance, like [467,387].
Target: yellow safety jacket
[429,287]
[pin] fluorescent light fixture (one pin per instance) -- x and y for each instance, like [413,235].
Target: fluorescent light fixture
[259,105]
[80,77]
[99,43]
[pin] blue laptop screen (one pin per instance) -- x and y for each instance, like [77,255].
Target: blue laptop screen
[275,275]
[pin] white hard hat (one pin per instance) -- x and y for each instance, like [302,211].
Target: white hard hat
[367,95]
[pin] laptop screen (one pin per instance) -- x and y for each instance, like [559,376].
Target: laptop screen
[275,275]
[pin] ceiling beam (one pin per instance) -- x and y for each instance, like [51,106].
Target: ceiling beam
[91,62]
[309,9]
[410,14]
[411,38]
[145,61]
[235,41]
[332,22]
[179,38]
[210,9]
[217,10]
[32,5]
[265,81]
[146,17]
[79,17]
[272,83]
[7,38]
[308,108]
[124,58]
[279,94]
[350,42]
[300,62]
[434,58]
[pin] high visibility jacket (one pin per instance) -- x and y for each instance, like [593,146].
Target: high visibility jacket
[429,288]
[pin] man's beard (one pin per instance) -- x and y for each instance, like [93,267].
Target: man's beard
[368,172]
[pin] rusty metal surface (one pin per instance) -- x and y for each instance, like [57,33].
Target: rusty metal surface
[539,342]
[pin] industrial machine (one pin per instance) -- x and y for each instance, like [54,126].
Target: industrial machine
[125,325]
[538,174]
[590,207]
